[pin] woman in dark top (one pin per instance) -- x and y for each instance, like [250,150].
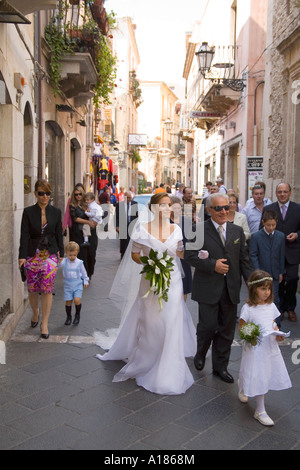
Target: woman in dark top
[41,248]
[87,252]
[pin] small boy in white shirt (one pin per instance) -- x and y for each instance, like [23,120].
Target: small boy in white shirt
[75,279]
[94,213]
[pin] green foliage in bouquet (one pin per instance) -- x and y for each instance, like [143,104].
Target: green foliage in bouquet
[157,269]
[250,332]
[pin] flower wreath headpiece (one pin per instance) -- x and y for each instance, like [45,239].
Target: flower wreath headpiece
[268,278]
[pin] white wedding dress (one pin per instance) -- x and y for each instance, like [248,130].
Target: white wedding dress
[154,342]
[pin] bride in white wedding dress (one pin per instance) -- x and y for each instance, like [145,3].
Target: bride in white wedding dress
[152,341]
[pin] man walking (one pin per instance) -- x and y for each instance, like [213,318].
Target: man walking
[288,213]
[216,284]
[126,213]
[253,209]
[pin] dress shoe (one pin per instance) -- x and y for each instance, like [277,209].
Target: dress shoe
[292,315]
[263,418]
[68,320]
[224,375]
[243,398]
[44,335]
[76,319]
[199,362]
[34,324]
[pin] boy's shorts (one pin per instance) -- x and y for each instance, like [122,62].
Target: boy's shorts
[71,292]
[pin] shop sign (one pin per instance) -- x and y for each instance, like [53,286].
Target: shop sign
[204,114]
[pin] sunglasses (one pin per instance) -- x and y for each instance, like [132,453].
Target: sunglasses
[77,194]
[220,208]
[44,193]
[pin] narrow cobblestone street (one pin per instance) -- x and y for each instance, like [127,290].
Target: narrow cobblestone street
[55,394]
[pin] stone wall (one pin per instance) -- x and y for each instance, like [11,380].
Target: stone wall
[280,111]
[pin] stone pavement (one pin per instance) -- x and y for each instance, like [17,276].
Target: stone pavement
[55,394]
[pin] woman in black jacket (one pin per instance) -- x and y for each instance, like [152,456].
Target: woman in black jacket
[41,248]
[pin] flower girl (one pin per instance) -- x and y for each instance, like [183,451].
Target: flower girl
[262,365]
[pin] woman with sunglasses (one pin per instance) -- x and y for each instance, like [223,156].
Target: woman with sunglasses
[41,247]
[77,209]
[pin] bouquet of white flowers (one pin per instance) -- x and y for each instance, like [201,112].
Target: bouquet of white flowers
[250,332]
[158,267]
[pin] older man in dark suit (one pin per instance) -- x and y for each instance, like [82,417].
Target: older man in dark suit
[217,283]
[126,216]
[288,213]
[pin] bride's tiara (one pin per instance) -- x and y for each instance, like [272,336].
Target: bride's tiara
[268,278]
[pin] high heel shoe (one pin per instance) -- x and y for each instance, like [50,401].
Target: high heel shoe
[44,335]
[34,324]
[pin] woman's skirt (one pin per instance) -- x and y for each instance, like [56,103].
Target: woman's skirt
[41,271]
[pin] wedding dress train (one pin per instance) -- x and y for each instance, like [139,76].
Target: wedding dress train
[154,342]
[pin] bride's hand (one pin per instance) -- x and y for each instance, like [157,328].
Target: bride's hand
[136,258]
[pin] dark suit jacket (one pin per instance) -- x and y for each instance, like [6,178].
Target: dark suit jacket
[207,284]
[31,231]
[290,224]
[125,223]
[268,253]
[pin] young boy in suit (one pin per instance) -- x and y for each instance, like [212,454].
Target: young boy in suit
[267,251]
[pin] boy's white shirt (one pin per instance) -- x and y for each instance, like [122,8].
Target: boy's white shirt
[77,261]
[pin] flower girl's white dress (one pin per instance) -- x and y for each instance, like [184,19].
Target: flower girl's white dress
[154,342]
[262,366]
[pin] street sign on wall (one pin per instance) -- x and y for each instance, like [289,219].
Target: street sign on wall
[254,172]
[204,114]
[137,139]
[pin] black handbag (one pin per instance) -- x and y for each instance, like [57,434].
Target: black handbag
[23,273]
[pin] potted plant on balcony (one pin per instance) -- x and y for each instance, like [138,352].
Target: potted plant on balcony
[134,88]
[64,38]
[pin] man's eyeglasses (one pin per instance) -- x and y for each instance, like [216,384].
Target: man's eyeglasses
[220,208]
[77,194]
[44,193]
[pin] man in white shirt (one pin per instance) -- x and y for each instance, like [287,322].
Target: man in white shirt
[253,210]
[221,187]
[179,191]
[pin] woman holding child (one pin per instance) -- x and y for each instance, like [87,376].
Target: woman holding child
[77,212]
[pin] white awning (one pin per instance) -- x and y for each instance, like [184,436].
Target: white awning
[29,6]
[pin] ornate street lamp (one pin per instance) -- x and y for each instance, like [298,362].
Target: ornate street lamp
[168,124]
[205,56]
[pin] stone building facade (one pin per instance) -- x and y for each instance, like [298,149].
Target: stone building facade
[282,96]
